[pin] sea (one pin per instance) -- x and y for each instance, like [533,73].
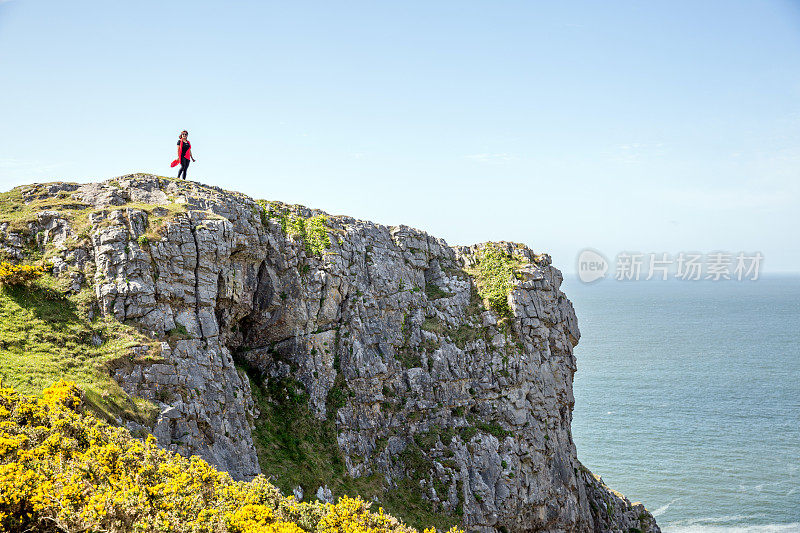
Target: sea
[687,398]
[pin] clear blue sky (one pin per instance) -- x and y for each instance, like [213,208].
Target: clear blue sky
[649,126]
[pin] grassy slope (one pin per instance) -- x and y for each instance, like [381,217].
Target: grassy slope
[45,336]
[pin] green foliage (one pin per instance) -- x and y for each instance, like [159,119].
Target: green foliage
[143,241]
[405,327]
[429,345]
[464,334]
[408,357]
[294,225]
[467,433]
[317,238]
[264,211]
[407,500]
[493,428]
[494,276]
[434,325]
[428,439]
[337,397]
[292,444]
[434,292]
[312,231]
[178,332]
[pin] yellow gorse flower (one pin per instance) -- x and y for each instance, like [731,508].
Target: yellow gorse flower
[11,274]
[62,470]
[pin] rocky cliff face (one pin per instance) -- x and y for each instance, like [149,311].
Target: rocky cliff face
[382,327]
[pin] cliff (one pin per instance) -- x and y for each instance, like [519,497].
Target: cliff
[334,354]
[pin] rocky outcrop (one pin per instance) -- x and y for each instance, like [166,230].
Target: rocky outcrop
[382,325]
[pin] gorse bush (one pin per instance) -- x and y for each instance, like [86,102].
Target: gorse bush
[63,470]
[14,275]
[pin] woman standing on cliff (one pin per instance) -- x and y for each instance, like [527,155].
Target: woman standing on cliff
[184,153]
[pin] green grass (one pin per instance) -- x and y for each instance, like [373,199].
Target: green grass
[45,336]
[288,435]
[492,428]
[18,214]
[434,325]
[464,334]
[434,292]
[408,356]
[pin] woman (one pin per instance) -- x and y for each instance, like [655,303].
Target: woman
[184,153]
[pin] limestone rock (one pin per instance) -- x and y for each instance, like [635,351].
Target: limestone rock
[324,494]
[386,319]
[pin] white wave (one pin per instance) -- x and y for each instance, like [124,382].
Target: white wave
[663,509]
[793,527]
[711,520]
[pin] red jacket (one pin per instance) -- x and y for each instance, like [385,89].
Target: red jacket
[188,154]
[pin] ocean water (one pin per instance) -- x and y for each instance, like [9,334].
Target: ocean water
[687,398]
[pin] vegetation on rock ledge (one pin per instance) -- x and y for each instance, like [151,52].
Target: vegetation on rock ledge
[313,231]
[494,275]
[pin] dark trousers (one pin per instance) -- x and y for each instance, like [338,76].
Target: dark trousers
[184,166]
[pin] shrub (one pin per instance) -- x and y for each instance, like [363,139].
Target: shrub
[61,470]
[495,275]
[11,275]
[312,231]
[143,241]
[316,234]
